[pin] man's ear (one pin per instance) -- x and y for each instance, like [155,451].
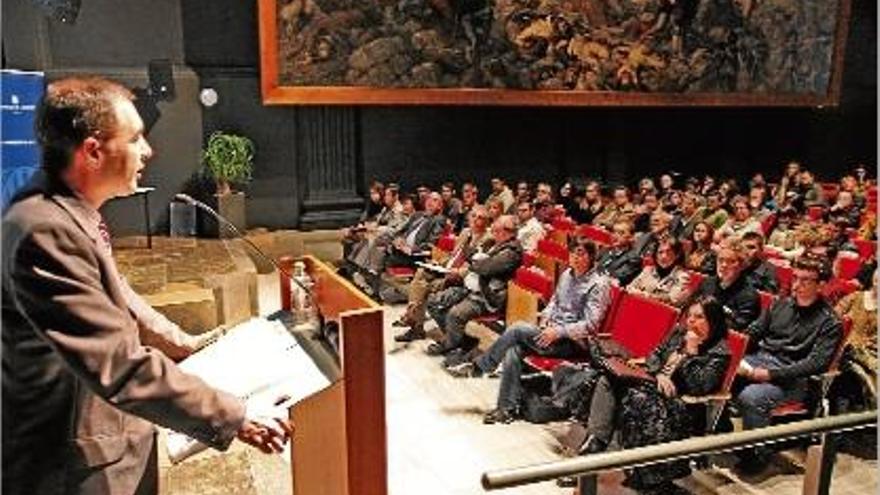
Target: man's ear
[90,151]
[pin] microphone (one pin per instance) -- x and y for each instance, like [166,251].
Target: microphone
[186,198]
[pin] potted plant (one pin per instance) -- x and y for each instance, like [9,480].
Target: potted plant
[228,159]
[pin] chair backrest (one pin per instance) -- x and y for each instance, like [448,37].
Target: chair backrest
[595,233]
[641,323]
[611,312]
[829,191]
[767,224]
[528,259]
[867,249]
[848,266]
[815,213]
[522,304]
[534,280]
[446,242]
[846,326]
[737,343]
[694,281]
[562,228]
[784,274]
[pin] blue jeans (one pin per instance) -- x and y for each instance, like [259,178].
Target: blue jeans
[511,347]
[757,400]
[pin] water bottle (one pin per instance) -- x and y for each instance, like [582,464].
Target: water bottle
[304,311]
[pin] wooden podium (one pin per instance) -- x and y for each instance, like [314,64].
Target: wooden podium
[340,444]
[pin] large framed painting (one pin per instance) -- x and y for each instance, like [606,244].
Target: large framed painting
[553,52]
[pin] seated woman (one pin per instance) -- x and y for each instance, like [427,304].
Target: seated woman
[692,360]
[666,281]
[861,351]
[701,258]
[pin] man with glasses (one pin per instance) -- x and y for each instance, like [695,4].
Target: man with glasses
[739,299]
[591,204]
[795,338]
[572,316]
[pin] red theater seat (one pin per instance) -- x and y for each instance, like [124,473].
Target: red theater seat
[641,323]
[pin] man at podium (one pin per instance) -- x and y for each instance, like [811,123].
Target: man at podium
[81,390]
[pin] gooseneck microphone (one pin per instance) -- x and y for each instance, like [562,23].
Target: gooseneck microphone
[186,198]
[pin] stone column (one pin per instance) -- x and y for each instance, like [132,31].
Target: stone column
[328,166]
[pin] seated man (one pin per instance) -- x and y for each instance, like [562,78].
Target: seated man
[740,300]
[387,220]
[619,209]
[418,234]
[574,313]
[620,261]
[794,339]
[646,242]
[529,230]
[426,282]
[452,308]
[760,273]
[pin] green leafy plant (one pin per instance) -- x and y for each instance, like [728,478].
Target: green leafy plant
[228,159]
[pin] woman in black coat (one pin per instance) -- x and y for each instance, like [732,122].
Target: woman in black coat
[692,360]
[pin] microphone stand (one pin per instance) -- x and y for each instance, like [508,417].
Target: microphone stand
[185,198]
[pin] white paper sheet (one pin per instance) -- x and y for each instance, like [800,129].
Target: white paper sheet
[258,361]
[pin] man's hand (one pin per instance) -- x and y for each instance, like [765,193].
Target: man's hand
[665,386]
[760,375]
[548,335]
[267,432]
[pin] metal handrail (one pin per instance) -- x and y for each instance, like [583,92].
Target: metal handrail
[682,449]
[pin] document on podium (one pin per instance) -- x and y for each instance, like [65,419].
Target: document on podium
[258,361]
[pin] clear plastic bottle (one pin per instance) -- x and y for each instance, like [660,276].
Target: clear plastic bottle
[304,311]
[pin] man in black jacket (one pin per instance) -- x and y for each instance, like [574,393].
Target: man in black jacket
[620,261]
[731,288]
[488,292]
[794,339]
[759,272]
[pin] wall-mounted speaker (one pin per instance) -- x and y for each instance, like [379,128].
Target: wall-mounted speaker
[65,11]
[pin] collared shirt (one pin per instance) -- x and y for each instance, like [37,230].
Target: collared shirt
[579,304]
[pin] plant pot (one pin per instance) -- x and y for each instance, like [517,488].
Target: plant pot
[232,207]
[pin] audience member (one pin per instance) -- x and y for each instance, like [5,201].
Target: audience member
[619,209]
[503,193]
[861,353]
[590,206]
[691,360]
[426,282]
[794,339]
[716,215]
[452,206]
[742,221]
[758,271]
[529,229]
[691,213]
[494,268]
[659,228]
[469,196]
[573,314]
[620,261]
[701,257]
[729,286]
[665,280]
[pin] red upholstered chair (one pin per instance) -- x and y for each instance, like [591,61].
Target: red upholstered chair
[696,278]
[534,280]
[815,213]
[768,223]
[737,343]
[551,257]
[867,249]
[784,274]
[824,381]
[640,323]
[829,191]
[847,266]
[528,259]
[595,233]
[562,228]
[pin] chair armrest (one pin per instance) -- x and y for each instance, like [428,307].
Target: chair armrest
[703,399]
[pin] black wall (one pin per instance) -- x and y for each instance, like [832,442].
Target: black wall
[311,163]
